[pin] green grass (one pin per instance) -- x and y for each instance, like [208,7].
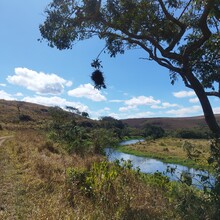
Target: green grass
[165,159]
[170,150]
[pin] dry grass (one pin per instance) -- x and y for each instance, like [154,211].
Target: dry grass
[34,185]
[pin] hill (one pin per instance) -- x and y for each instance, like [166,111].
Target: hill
[39,114]
[17,114]
[169,123]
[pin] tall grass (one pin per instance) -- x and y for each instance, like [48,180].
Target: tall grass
[41,181]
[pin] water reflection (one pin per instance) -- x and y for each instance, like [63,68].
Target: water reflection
[149,165]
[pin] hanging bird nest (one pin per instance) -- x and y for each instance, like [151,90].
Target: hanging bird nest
[98,79]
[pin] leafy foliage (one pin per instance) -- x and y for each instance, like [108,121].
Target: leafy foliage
[152,131]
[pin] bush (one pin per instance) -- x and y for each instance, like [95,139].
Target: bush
[153,131]
[24,118]
[192,134]
[105,185]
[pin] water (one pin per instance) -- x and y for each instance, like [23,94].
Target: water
[149,165]
[133,141]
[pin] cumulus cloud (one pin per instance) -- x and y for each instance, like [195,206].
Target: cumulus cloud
[141,115]
[116,101]
[164,105]
[5,95]
[19,94]
[87,91]
[184,94]
[194,100]
[56,101]
[142,100]
[2,84]
[127,108]
[38,82]
[185,111]
[216,110]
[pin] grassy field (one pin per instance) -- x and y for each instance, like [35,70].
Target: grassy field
[39,180]
[171,150]
[34,185]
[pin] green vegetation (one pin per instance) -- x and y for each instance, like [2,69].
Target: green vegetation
[53,168]
[173,150]
[83,138]
[40,180]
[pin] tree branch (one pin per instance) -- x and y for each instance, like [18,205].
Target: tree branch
[217,94]
[184,9]
[206,33]
[181,25]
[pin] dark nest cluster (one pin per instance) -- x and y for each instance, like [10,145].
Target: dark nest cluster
[98,79]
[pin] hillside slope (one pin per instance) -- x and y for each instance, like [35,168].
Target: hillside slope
[169,123]
[10,110]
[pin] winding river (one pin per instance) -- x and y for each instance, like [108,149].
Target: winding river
[149,165]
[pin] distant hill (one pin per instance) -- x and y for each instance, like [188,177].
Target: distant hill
[169,123]
[9,112]
[34,115]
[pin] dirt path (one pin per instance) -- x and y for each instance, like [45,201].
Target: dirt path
[8,181]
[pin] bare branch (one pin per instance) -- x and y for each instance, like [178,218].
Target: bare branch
[184,9]
[217,94]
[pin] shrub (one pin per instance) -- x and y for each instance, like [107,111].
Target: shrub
[153,131]
[105,184]
[24,118]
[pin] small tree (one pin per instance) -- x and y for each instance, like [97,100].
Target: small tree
[85,114]
[153,131]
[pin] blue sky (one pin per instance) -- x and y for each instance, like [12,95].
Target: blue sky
[31,71]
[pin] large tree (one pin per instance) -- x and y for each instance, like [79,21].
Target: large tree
[182,36]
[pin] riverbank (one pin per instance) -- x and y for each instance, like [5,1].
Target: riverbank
[172,150]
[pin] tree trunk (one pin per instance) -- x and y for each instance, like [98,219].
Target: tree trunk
[205,103]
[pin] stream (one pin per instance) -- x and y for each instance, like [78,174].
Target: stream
[150,165]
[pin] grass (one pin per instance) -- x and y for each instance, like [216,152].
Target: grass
[170,150]
[34,185]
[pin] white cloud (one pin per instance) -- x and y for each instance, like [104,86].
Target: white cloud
[164,105]
[116,101]
[140,115]
[142,100]
[5,95]
[183,94]
[19,94]
[2,84]
[127,108]
[114,115]
[87,91]
[194,100]
[56,101]
[216,110]
[185,111]
[106,109]
[38,82]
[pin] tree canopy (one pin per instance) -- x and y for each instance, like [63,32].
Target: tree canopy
[182,36]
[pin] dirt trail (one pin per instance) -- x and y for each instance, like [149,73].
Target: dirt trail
[7,180]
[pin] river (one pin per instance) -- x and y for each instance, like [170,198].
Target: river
[149,165]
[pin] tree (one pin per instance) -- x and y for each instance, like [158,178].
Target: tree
[181,35]
[153,131]
[85,114]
